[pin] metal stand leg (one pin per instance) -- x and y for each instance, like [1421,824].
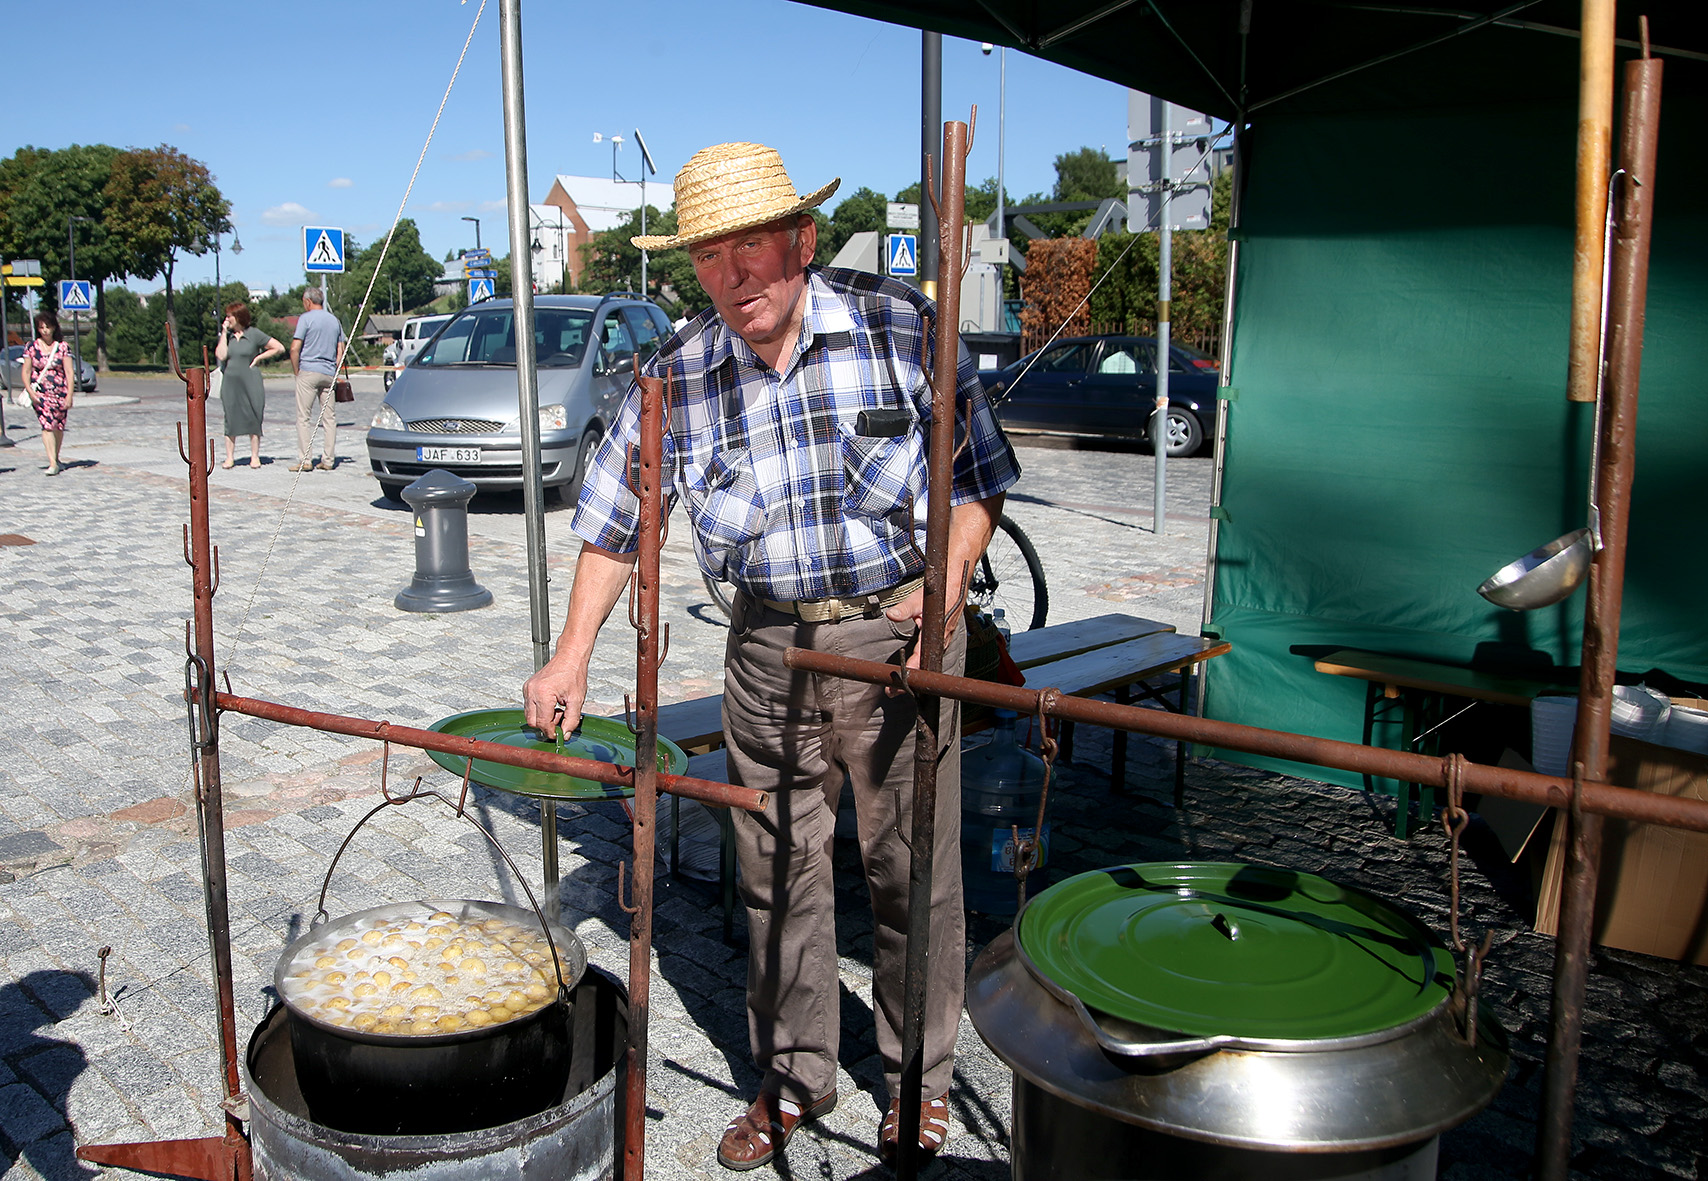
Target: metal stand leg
[551,902]
[1118,762]
[1180,750]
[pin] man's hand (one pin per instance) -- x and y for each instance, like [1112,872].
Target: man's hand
[970,529]
[558,689]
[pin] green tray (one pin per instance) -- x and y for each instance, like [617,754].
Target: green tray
[607,740]
[1235,950]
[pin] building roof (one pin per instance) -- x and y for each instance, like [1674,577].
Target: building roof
[603,203]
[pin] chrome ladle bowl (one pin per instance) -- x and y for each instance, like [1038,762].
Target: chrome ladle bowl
[1544,576]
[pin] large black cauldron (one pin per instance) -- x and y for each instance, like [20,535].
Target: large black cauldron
[391,1084]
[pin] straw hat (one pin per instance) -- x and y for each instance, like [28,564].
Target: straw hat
[729,187]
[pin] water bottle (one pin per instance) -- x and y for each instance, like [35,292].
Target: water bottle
[997,617]
[1001,783]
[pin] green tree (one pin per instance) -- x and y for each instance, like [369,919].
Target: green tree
[161,203]
[406,263]
[610,262]
[39,190]
[1087,175]
[862,210]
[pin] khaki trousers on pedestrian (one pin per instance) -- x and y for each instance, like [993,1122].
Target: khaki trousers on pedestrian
[310,388]
[798,737]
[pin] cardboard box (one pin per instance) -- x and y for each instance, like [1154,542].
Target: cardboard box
[1653,892]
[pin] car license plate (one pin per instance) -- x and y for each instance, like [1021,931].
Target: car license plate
[448,454]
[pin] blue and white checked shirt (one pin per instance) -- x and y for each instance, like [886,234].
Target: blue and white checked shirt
[786,499]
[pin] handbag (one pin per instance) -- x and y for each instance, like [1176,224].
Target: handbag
[341,391]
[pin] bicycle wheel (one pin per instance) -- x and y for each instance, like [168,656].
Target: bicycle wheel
[1010,576]
[722,593]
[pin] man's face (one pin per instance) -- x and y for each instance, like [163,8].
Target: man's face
[756,279]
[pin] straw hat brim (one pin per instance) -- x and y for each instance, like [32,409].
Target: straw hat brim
[756,216]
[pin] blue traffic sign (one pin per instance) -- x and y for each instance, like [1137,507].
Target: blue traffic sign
[76,295]
[323,249]
[472,255]
[903,254]
[479,289]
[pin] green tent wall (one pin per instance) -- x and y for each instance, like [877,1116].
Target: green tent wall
[1400,428]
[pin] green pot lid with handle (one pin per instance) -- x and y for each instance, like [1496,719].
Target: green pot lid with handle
[1238,951]
[607,740]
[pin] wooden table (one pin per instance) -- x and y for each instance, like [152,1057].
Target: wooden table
[1419,686]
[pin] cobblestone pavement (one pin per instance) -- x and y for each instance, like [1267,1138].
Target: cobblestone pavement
[98,843]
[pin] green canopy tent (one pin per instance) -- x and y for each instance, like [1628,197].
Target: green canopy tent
[1399,428]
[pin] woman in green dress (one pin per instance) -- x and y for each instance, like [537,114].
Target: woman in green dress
[241,349]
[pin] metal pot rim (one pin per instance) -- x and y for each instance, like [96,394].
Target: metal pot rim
[572,956]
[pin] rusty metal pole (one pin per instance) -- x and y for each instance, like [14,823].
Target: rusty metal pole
[224,1156]
[643,614]
[938,578]
[1627,300]
[1549,791]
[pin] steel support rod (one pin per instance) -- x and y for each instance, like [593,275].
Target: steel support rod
[527,385]
[707,791]
[938,578]
[1627,301]
[644,613]
[1549,791]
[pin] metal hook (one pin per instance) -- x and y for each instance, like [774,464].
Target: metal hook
[931,189]
[213,586]
[182,453]
[622,894]
[663,644]
[629,716]
[188,560]
[189,644]
[634,595]
[468,772]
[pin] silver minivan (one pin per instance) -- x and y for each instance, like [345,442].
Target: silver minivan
[456,407]
[417,331]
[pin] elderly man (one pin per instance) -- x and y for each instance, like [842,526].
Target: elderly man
[317,350]
[797,439]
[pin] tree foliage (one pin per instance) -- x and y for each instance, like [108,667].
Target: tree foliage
[406,263]
[1058,276]
[137,332]
[610,262]
[160,203]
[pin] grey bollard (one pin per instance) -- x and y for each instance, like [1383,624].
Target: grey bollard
[442,579]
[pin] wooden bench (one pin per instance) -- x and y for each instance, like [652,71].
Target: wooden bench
[1083,658]
[1419,686]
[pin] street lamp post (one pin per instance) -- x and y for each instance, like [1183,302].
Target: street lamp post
[1001,140]
[646,167]
[476,221]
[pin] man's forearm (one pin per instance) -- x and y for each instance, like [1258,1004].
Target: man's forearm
[971,527]
[600,576]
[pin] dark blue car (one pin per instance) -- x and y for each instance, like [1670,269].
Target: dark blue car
[1104,387]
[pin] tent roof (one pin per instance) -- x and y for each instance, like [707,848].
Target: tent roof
[1191,52]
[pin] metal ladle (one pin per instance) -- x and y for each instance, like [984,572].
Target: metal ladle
[1550,573]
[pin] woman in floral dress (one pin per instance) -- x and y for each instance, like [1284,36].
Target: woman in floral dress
[48,378]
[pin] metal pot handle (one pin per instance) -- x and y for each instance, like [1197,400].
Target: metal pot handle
[418,793]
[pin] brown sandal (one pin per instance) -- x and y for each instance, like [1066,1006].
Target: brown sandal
[933,1128]
[763,1129]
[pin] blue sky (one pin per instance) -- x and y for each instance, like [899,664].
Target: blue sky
[315,113]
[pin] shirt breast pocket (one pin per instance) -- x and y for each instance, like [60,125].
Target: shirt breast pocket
[724,501]
[881,475]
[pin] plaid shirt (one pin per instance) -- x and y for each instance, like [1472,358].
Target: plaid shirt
[787,500]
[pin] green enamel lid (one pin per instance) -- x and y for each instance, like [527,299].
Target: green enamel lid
[1240,951]
[607,740]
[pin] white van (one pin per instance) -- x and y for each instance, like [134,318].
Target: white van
[417,331]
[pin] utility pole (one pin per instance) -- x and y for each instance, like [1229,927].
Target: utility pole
[1164,291]
[476,221]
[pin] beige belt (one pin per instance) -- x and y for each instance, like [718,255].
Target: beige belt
[832,610]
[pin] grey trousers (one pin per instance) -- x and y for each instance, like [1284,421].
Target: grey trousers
[312,388]
[799,736]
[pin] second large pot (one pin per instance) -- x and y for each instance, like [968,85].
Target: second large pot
[391,1084]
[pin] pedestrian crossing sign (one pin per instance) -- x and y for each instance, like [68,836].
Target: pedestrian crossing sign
[479,289]
[323,249]
[903,254]
[76,295]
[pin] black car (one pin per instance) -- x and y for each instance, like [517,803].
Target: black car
[1104,387]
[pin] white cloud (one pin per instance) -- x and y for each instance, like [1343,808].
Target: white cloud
[180,128]
[448,206]
[494,206]
[288,214]
[340,182]
[471,156]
